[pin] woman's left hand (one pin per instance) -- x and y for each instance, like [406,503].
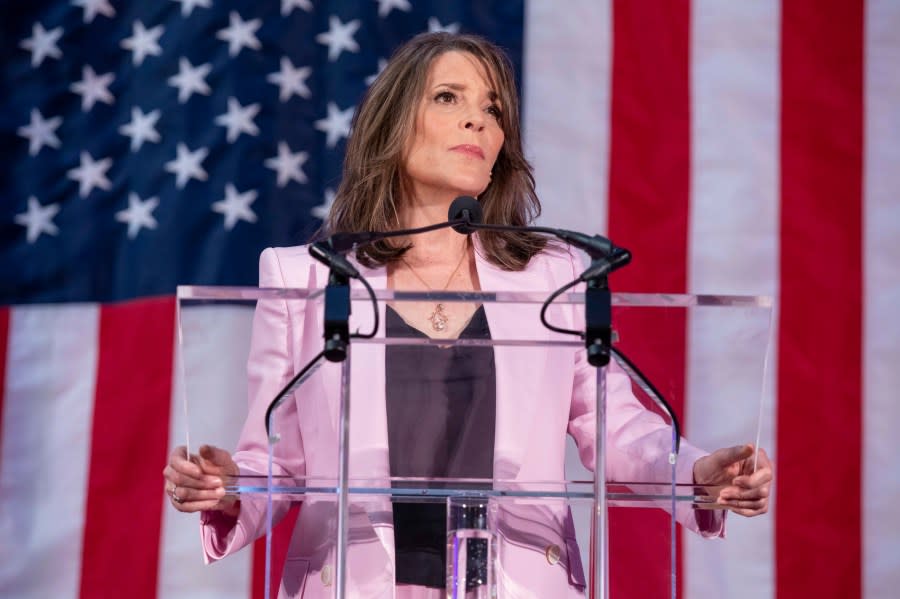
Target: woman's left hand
[744,491]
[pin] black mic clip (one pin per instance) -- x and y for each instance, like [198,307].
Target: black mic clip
[337,299]
[598,304]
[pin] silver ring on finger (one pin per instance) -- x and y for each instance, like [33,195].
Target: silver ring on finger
[175,496]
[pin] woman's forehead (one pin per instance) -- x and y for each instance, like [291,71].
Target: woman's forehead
[455,67]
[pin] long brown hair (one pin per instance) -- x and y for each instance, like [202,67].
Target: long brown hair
[372,186]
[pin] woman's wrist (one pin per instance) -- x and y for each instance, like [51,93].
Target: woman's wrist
[231,509]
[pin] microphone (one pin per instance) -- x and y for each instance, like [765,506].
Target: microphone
[327,255]
[465,210]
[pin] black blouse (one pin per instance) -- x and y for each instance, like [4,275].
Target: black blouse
[441,410]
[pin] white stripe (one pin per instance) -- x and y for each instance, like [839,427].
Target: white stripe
[47,419]
[881,349]
[567,90]
[733,248]
[216,341]
[566,109]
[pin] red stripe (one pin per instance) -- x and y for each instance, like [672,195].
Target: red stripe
[128,450]
[820,379]
[4,344]
[648,213]
[281,540]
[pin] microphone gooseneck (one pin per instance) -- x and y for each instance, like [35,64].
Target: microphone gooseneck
[468,210]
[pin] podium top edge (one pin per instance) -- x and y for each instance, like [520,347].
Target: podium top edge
[207,293]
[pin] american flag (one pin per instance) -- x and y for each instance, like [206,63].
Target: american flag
[735,147]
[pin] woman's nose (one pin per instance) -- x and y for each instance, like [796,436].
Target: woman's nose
[474,123]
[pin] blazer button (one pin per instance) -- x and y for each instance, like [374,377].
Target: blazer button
[326,575]
[552,553]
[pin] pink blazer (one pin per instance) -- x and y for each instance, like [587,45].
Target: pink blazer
[541,396]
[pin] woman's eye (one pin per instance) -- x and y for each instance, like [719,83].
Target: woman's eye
[445,97]
[495,111]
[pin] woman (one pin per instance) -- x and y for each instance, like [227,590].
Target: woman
[441,121]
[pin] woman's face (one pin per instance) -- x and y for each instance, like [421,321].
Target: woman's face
[457,131]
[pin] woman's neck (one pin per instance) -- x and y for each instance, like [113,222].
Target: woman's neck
[434,247]
[422,209]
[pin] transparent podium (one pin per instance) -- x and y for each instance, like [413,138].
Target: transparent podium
[542,521]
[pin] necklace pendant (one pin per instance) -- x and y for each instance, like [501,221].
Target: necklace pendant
[439,318]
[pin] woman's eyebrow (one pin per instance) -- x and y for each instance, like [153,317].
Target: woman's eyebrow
[492,95]
[456,86]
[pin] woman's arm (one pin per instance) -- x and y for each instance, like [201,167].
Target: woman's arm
[638,441]
[269,366]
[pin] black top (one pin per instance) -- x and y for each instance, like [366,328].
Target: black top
[441,410]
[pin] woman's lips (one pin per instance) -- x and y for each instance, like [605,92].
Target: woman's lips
[469,149]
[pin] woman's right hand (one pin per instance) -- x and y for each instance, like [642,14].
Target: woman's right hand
[197,482]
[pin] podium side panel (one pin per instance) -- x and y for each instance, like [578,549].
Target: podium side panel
[215,368]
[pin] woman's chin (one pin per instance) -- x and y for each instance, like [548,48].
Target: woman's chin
[473,189]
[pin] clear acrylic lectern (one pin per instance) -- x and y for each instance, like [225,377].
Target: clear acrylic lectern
[327,445]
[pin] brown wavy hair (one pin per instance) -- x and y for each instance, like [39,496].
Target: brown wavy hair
[373,181]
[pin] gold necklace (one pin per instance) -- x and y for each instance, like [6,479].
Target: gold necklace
[438,318]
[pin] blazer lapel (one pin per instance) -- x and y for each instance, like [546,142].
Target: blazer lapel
[519,370]
[368,414]
[368,421]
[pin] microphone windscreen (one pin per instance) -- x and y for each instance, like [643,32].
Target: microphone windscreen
[465,207]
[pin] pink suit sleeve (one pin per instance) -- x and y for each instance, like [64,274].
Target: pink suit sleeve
[638,440]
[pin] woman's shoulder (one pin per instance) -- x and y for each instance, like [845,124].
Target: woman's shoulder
[293,256]
[559,259]
[287,253]
[287,266]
